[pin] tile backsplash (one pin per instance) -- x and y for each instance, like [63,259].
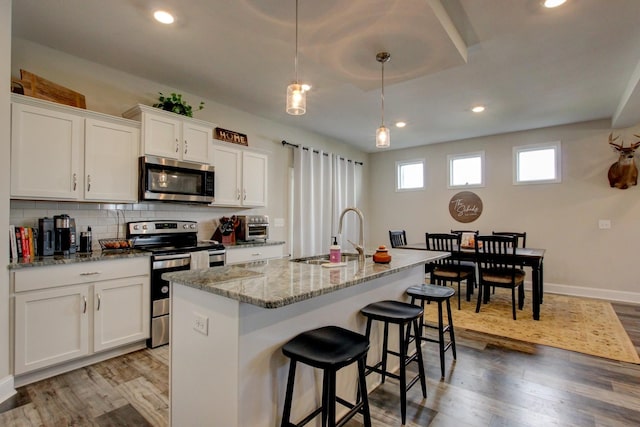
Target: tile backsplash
[108,220]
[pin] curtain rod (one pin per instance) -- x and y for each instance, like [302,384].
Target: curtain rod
[317,152]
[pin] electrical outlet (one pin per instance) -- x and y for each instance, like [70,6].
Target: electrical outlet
[201,323]
[604,224]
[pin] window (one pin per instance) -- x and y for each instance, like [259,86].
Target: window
[466,170]
[410,175]
[537,164]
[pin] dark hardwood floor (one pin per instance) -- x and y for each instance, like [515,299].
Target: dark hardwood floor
[495,382]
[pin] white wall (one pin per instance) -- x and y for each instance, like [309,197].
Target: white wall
[562,218]
[6,380]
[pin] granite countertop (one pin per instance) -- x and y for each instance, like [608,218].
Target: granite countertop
[252,244]
[279,282]
[77,257]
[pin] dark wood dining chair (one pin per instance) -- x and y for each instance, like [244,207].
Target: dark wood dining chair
[450,269]
[497,267]
[397,238]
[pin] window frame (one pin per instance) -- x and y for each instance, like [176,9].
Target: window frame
[557,148]
[452,157]
[400,163]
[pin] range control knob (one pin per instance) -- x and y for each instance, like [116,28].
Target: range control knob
[144,227]
[136,227]
[192,226]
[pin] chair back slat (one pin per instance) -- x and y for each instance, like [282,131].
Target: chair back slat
[444,243]
[521,238]
[496,252]
[397,238]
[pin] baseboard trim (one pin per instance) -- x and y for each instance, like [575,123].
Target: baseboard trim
[605,294]
[7,388]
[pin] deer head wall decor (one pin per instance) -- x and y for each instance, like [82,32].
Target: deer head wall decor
[624,172]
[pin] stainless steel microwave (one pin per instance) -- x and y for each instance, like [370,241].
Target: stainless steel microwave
[171,180]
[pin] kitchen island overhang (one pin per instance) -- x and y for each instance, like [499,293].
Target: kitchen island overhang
[232,372]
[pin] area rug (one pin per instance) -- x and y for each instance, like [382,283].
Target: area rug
[583,325]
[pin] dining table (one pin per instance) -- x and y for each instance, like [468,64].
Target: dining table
[530,257]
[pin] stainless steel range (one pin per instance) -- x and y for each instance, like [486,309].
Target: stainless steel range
[172,244]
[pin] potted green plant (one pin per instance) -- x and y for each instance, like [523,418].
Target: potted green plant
[176,104]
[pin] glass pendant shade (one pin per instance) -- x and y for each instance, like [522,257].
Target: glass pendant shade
[383,137]
[296,99]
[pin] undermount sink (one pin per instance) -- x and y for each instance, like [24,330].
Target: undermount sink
[322,259]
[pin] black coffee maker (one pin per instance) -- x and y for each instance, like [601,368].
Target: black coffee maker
[65,234]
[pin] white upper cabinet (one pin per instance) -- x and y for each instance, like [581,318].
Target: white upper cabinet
[46,150]
[110,161]
[169,135]
[66,153]
[241,177]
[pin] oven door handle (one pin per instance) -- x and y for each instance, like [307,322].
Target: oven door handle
[172,256]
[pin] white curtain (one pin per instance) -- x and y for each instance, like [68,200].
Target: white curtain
[323,186]
[346,189]
[312,184]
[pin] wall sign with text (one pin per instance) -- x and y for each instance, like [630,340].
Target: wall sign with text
[230,136]
[465,206]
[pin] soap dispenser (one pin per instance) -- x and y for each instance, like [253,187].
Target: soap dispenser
[334,251]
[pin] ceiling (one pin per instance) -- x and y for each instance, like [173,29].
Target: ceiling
[532,67]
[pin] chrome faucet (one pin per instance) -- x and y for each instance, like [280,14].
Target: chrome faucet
[360,246]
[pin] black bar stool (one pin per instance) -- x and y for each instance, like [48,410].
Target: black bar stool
[402,314]
[329,348]
[437,294]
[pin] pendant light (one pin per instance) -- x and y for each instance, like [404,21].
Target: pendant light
[383,136]
[296,94]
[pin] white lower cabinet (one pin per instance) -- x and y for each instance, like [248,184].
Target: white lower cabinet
[113,299]
[253,253]
[66,312]
[51,326]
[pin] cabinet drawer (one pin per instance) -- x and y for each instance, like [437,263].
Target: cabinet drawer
[34,278]
[256,253]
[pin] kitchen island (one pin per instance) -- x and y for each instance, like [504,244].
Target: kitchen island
[229,323]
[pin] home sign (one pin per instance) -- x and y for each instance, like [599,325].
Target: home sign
[465,206]
[230,136]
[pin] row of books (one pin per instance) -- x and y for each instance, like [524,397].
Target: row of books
[23,242]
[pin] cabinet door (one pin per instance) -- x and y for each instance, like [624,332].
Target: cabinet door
[254,179]
[111,162]
[51,326]
[161,136]
[227,162]
[121,312]
[45,153]
[195,143]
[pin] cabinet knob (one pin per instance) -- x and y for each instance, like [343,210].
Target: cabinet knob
[185,147]
[238,193]
[88,183]
[75,181]
[84,309]
[98,309]
[244,192]
[177,145]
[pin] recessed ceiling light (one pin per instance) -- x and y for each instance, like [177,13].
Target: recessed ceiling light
[401,124]
[478,109]
[163,17]
[553,3]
